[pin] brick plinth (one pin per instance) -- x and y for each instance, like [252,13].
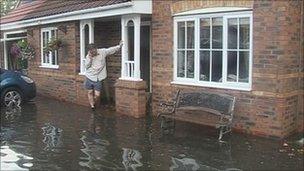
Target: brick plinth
[130,98]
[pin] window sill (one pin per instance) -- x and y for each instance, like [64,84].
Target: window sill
[130,79]
[49,66]
[214,85]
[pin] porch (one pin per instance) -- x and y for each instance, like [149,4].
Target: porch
[60,74]
[129,71]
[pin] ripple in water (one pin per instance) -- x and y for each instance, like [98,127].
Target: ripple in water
[11,160]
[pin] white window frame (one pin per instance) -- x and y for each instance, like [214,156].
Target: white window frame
[82,25]
[5,40]
[49,64]
[195,81]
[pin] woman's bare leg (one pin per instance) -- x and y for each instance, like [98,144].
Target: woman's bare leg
[91,97]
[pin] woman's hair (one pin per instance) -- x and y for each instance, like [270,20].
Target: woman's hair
[92,46]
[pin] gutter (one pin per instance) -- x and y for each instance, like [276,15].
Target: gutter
[31,22]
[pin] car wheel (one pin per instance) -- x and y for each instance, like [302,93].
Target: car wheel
[11,97]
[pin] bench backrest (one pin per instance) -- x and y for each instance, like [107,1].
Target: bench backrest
[219,102]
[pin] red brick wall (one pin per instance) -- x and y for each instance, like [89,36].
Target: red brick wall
[107,34]
[63,83]
[270,109]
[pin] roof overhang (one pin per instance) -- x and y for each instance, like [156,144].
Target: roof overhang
[212,10]
[133,7]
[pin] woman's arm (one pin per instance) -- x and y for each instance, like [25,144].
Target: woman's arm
[88,62]
[112,50]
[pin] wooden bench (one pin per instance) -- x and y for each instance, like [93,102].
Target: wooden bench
[219,105]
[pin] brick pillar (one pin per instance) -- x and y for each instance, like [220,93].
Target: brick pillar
[130,98]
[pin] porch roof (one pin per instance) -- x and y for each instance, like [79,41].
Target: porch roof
[42,8]
[40,12]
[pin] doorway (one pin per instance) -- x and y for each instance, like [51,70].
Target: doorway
[145,54]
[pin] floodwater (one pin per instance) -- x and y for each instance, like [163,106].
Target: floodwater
[52,135]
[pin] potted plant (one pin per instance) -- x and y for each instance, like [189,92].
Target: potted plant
[21,52]
[53,44]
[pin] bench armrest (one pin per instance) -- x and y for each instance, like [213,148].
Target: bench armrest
[166,104]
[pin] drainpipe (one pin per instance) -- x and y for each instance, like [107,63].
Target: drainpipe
[302,60]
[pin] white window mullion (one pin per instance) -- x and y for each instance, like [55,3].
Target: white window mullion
[238,50]
[225,44]
[50,52]
[186,48]
[210,73]
[196,51]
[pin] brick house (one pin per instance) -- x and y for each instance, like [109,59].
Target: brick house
[250,49]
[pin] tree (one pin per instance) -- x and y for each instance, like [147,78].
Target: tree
[8,5]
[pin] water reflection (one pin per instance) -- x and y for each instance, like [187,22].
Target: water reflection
[60,136]
[52,137]
[94,147]
[11,160]
[131,159]
[12,113]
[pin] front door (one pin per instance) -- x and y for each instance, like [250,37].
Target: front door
[145,55]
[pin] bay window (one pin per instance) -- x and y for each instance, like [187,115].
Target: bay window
[49,59]
[213,50]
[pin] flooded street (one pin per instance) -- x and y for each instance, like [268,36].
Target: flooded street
[52,135]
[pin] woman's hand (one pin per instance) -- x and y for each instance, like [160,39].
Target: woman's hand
[121,43]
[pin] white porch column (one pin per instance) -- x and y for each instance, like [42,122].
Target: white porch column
[126,65]
[124,49]
[5,52]
[90,24]
[137,47]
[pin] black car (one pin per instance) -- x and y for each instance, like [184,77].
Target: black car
[15,88]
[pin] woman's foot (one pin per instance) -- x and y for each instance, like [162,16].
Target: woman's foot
[93,108]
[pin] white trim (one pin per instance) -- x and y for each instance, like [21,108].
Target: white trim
[9,39]
[49,66]
[130,79]
[82,25]
[5,55]
[136,18]
[196,80]
[235,87]
[133,7]
[48,30]
[212,10]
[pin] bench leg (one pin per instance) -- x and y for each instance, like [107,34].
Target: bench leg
[221,133]
[224,130]
[167,125]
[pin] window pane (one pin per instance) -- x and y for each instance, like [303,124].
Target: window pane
[53,58]
[181,64]
[190,64]
[181,35]
[216,66]
[86,39]
[217,33]
[244,33]
[204,66]
[232,66]
[244,67]
[45,57]
[53,35]
[205,34]
[190,34]
[232,33]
